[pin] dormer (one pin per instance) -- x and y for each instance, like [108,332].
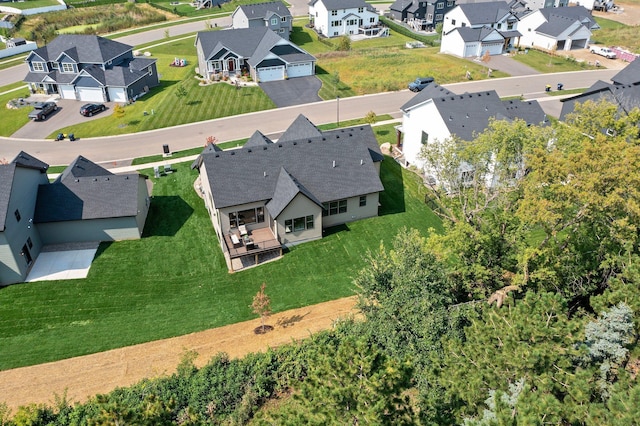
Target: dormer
[37,63]
[66,64]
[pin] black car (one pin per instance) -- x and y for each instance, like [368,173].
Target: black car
[89,109]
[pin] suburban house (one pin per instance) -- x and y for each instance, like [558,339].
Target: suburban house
[624,92]
[421,14]
[258,51]
[273,15]
[90,68]
[333,18]
[270,194]
[436,114]
[557,28]
[86,203]
[477,28]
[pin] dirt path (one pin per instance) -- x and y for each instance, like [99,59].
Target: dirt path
[102,372]
[630,14]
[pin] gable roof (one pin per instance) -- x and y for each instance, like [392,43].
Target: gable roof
[629,74]
[257,139]
[475,34]
[89,49]
[301,128]
[26,160]
[337,164]
[342,4]
[485,13]
[84,190]
[624,96]
[431,91]
[558,19]
[264,10]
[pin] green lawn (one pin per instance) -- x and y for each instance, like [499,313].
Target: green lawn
[546,63]
[31,4]
[174,280]
[13,119]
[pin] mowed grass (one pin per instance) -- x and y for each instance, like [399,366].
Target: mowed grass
[174,280]
[165,109]
[13,119]
[547,63]
[31,4]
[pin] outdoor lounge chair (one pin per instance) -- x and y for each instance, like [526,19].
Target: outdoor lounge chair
[235,240]
[243,230]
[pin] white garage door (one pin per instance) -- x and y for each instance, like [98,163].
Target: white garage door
[493,48]
[271,73]
[67,92]
[93,95]
[300,70]
[117,94]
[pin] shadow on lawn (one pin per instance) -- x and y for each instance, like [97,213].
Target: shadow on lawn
[167,214]
[392,198]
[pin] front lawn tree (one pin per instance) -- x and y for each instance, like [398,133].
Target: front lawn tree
[181,92]
[262,305]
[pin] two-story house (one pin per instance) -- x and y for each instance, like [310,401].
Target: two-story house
[477,28]
[90,68]
[557,28]
[273,15]
[333,18]
[421,14]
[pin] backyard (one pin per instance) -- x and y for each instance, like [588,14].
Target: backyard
[174,280]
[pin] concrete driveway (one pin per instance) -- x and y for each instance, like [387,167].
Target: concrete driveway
[68,114]
[294,91]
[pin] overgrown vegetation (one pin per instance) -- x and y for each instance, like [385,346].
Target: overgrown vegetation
[612,33]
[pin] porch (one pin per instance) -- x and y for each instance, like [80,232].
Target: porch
[256,247]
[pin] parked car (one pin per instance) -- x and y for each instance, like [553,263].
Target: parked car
[89,109]
[603,51]
[41,110]
[420,83]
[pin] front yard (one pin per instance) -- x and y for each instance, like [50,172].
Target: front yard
[174,280]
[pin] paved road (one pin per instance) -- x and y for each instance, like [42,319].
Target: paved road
[118,149]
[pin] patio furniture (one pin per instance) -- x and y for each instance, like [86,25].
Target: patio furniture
[234,239]
[243,230]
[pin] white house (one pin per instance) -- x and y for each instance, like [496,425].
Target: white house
[333,18]
[562,28]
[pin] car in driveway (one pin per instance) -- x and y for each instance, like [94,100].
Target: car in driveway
[41,110]
[89,109]
[420,83]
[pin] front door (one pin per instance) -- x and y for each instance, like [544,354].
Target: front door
[231,65]
[27,255]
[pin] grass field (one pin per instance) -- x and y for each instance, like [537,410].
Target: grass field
[13,119]
[31,4]
[174,280]
[614,33]
[546,63]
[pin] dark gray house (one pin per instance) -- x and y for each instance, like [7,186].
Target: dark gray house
[421,14]
[86,203]
[268,194]
[273,15]
[90,68]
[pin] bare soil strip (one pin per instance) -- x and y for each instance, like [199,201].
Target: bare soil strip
[88,375]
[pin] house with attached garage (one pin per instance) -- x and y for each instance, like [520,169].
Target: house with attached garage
[273,15]
[477,28]
[436,114]
[421,14]
[90,68]
[557,28]
[270,194]
[334,18]
[258,51]
[86,203]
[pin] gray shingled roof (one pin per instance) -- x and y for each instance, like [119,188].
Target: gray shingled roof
[629,74]
[257,139]
[301,128]
[27,160]
[431,91]
[82,167]
[88,49]
[475,34]
[264,10]
[251,174]
[242,41]
[287,187]
[485,13]
[468,114]
[625,97]
[343,4]
[7,174]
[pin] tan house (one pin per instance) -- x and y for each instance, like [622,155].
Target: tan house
[272,194]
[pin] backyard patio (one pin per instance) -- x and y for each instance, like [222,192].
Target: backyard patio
[245,249]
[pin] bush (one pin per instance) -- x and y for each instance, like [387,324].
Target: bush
[407,32]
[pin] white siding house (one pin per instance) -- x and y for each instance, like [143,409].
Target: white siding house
[333,18]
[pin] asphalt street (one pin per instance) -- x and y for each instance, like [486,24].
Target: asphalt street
[118,149]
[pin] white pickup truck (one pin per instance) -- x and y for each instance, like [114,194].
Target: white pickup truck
[603,51]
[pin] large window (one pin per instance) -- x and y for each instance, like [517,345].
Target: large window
[425,138]
[246,217]
[440,5]
[363,200]
[335,23]
[298,224]
[274,21]
[37,66]
[67,67]
[334,207]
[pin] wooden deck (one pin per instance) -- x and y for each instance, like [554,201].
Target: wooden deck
[264,243]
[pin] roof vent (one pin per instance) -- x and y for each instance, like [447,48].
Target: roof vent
[106,179]
[337,136]
[217,155]
[308,140]
[451,118]
[78,180]
[295,143]
[126,178]
[249,150]
[94,179]
[486,108]
[467,115]
[324,139]
[264,174]
[333,164]
[264,148]
[233,153]
[279,145]
[361,161]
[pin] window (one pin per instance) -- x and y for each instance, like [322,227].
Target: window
[352,22]
[67,67]
[425,138]
[360,9]
[438,16]
[284,19]
[29,242]
[449,4]
[281,30]
[372,20]
[467,177]
[37,66]
[334,13]
[453,22]
[363,200]
[335,23]
[430,17]
[54,65]
[335,33]
[150,70]
[334,207]
[464,24]
[510,26]
[440,5]
[245,217]
[298,224]
[17,215]
[274,21]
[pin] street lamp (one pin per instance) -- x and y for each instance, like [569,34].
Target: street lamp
[338,110]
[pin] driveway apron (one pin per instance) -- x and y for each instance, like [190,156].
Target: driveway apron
[294,91]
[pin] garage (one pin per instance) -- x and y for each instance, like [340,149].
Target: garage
[300,70]
[117,94]
[90,94]
[494,48]
[67,92]
[271,73]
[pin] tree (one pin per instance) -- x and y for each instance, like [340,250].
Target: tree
[344,43]
[370,117]
[181,92]
[119,111]
[262,305]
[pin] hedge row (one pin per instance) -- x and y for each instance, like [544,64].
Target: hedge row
[400,29]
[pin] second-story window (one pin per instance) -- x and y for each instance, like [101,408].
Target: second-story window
[334,13]
[37,66]
[449,4]
[67,67]
[284,19]
[360,9]
[440,5]
[274,21]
